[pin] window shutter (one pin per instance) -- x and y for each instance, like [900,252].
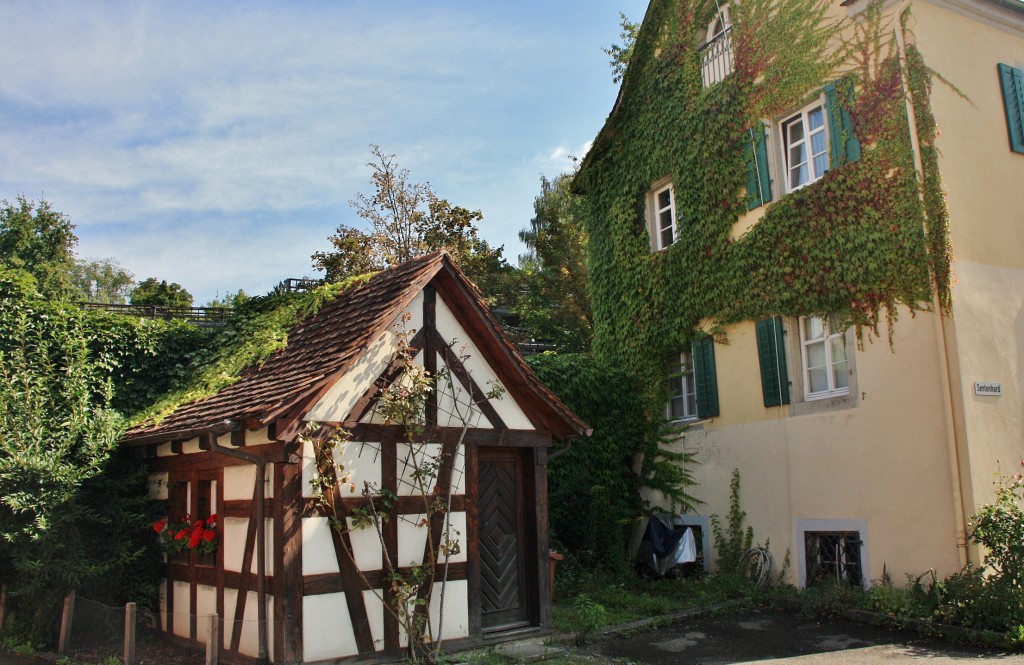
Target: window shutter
[771,352]
[1012,80]
[843,144]
[759,184]
[705,381]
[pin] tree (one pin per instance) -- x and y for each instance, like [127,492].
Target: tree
[101,281]
[621,53]
[40,240]
[71,515]
[230,300]
[554,302]
[407,219]
[153,292]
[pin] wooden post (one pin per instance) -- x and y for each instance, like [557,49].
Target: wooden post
[212,639]
[3,602]
[65,622]
[129,634]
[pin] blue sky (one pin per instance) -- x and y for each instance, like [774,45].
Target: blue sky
[217,144]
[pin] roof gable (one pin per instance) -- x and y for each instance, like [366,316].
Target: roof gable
[324,347]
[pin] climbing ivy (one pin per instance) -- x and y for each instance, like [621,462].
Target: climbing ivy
[254,332]
[860,242]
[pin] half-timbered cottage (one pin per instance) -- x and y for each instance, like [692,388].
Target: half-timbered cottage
[288,587]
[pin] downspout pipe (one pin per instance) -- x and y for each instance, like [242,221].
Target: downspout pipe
[263,655]
[952,444]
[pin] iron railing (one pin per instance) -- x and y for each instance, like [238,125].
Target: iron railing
[716,58]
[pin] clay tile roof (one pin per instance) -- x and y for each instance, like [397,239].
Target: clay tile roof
[322,347]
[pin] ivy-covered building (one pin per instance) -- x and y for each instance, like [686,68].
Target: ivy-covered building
[773,206]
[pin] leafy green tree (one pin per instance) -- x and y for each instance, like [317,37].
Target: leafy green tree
[230,300]
[594,489]
[158,292]
[621,53]
[71,514]
[554,301]
[36,238]
[407,219]
[102,280]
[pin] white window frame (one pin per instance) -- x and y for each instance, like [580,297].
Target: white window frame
[684,385]
[829,336]
[656,215]
[802,119]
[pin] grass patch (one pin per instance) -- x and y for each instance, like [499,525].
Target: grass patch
[629,597]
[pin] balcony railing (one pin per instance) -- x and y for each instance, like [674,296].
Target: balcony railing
[204,317]
[716,58]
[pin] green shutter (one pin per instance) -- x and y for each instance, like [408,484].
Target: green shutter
[843,144]
[771,352]
[1012,80]
[759,184]
[705,381]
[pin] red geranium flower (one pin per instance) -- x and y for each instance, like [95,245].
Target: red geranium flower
[209,534]
[211,520]
[196,538]
[181,535]
[159,525]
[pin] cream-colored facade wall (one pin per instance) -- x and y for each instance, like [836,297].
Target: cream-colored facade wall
[983,178]
[880,459]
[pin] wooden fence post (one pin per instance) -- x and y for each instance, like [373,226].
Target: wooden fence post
[65,622]
[129,633]
[212,639]
[3,603]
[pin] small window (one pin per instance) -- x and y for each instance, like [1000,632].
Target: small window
[833,557]
[826,372]
[683,403]
[662,202]
[716,54]
[805,146]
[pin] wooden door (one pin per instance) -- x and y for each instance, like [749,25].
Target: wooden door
[504,594]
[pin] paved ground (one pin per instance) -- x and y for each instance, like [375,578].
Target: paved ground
[776,636]
[784,637]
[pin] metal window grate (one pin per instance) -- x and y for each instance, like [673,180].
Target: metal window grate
[833,557]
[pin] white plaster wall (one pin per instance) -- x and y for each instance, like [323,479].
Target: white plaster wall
[182,608]
[239,482]
[235,529]
[456,612]
[249,642]
[409,457]
[327,628]
[450,329]
[375,616]
[162,591]
[456,609]
[412,538]
[359,463]
[343,395]
[206,604]
[318,556]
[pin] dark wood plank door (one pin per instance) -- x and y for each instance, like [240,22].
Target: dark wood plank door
[504,593]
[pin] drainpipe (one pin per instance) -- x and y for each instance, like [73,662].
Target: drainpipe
[952,445]
[263,657]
